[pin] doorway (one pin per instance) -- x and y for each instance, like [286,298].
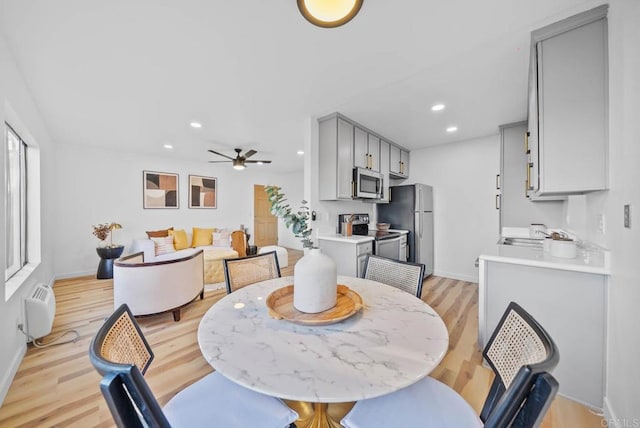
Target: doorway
[265,224]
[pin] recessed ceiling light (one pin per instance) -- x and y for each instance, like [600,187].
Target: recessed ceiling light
[452,129]
[437,107]
[195,124]
[168,146]
[300,152]
[259,163]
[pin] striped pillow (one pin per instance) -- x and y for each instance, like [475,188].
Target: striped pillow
[163,245]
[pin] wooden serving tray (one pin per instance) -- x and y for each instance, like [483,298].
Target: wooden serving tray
[280,305]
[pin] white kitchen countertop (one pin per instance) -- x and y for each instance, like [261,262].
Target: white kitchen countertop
[356,239]
[590,258]
[353,239]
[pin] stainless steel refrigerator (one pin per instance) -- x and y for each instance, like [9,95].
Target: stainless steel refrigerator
[411,208]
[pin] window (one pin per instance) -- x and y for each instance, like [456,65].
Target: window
[16,202]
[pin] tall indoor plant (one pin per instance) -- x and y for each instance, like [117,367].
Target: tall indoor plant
[314,275]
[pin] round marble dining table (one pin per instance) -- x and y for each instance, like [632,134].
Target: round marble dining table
[393,342]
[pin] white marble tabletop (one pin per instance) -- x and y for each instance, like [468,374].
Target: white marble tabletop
[393,342]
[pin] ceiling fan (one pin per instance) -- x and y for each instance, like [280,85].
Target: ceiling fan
[240,160]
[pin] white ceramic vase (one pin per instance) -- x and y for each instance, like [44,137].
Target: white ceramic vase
[314,282]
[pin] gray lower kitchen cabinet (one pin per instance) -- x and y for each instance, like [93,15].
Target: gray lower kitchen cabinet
[570,305]
[568,98]
[349,256]
[335,158]
[516,209]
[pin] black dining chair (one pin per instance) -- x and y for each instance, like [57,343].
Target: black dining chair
[121,353]
[521,354]
[406,276]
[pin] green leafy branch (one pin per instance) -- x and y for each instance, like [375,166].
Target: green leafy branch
[297,221]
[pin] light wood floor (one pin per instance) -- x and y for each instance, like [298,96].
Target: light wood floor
[57,386]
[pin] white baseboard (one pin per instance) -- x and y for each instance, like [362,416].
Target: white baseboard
[610,416]
[11,371]
[74,274]
[457,276]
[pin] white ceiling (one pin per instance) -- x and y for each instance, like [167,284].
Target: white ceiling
[132,74]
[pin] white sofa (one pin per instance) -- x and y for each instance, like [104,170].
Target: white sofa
[160,285]
[213,256]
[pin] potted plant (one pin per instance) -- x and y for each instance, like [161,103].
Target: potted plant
[314,276]
[297,221]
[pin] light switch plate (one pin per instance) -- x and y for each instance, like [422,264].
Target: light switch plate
[627,216]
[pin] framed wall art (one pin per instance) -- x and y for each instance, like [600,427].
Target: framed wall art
[160,190]
[203,192]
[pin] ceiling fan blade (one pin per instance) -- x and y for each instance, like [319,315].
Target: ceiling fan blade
[257,161]
[249,154]
[220,154]
[221,161]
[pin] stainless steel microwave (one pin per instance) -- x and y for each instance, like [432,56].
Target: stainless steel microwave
[367,184]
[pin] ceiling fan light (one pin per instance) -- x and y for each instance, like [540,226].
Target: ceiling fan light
[329,13]
[238,164]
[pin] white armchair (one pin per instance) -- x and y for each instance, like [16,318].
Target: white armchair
[160,286]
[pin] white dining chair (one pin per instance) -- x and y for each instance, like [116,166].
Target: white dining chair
[406,276]
[120,352]
[520,353]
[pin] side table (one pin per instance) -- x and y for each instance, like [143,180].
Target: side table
[107,256]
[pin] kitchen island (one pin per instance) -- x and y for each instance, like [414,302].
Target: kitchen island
[569,299]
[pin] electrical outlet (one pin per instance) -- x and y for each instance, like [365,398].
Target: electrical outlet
[601,224]
[627,216]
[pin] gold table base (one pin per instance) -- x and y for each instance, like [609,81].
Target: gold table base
[319,415]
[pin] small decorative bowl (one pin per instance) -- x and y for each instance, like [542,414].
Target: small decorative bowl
[383,226]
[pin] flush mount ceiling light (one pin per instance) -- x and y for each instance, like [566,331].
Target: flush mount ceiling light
[437,107]
[196,125]
[452,129]
[329,13]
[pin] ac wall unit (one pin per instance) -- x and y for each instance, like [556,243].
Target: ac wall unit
[40,308]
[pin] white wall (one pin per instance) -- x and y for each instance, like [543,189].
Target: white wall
[15,96]
[465,218]
[99,186]
[622,402]
[293,188]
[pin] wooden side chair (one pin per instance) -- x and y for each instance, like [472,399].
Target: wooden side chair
[239,242]
[521,354]
[120,352]
[249,270]
[406,276]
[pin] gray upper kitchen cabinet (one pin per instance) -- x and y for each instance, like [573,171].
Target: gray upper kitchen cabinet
[345,144]
[384,170]
[366,150]
[516,210]
[568,93]
[398,162]
[335,158]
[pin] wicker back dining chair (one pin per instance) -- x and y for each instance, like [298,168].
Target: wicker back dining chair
[120,343]
[211,401]
[406,276]
[521,354]
[249,270]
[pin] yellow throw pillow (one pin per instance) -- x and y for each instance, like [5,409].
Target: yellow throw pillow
[180,240]
[202,237]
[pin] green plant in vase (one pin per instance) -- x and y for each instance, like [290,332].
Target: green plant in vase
[297,221]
